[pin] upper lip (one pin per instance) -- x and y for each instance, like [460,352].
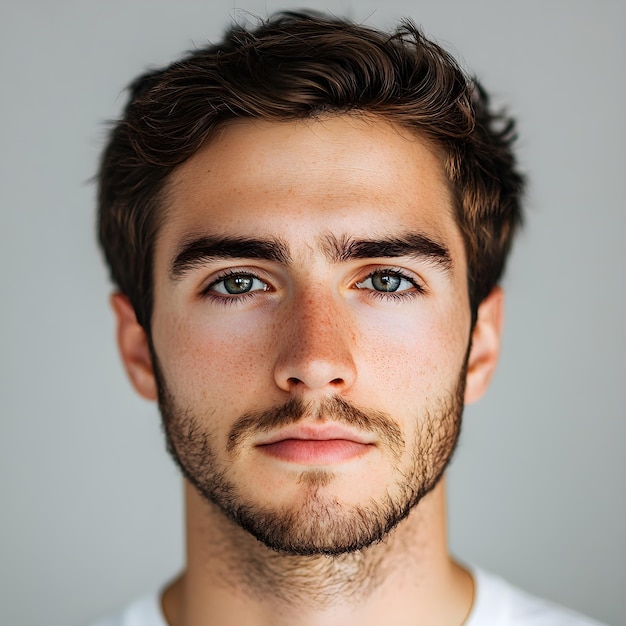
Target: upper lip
[317,432]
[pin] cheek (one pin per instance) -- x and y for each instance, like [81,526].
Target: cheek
[217,361]
[421,353]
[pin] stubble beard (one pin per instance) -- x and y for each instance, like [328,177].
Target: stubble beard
[318,524]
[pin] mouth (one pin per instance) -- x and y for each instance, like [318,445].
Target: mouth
[324,444]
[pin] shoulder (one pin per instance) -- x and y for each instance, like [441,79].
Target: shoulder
[145,611]
[498,602]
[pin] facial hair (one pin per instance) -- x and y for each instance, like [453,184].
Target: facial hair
[320,524]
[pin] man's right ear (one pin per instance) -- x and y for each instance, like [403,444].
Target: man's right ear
[132,342]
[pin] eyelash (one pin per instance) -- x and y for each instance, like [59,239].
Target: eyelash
[233,299]
[227,300]
[394,295]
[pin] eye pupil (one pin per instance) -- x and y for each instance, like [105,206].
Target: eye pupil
[386,282]
[238,284]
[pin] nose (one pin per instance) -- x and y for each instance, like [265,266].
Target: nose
[315,348]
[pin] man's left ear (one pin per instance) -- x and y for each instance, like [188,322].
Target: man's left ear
[486,338]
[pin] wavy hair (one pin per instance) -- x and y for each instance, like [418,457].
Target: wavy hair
[300,65]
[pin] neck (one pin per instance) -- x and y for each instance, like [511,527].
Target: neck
[231,578]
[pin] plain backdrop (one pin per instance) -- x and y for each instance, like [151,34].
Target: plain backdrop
[91,504]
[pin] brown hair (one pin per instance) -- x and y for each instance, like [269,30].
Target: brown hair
[298,66]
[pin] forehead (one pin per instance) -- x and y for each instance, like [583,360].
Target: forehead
[353,176]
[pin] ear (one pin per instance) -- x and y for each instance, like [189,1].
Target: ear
[486,338]
[132,342]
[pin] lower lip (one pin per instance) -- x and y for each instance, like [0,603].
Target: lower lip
[314,452]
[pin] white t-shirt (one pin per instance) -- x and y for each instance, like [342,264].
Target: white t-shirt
[496,603]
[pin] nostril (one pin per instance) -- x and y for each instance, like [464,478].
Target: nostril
[301,374]
[294,382]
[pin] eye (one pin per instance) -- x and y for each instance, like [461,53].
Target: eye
[237,284]
[388,281]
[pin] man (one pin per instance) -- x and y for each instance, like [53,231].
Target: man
[306,224]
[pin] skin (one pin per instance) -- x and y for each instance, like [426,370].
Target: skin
[313,329]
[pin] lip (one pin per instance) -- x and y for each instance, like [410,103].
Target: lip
[318,432]
[316,444]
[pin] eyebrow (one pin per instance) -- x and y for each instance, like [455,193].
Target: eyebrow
[414,245]
[196,252]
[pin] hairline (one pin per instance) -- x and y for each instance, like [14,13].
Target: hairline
[162,198]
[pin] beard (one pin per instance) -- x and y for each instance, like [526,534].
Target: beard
[318,524]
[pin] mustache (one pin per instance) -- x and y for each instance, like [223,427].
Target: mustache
[334,409]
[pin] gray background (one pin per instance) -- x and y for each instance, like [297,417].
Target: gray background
[91,505]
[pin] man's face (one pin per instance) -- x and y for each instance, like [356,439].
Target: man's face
[311,325]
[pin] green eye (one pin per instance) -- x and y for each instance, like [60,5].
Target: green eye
[387,282]
[238,284]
